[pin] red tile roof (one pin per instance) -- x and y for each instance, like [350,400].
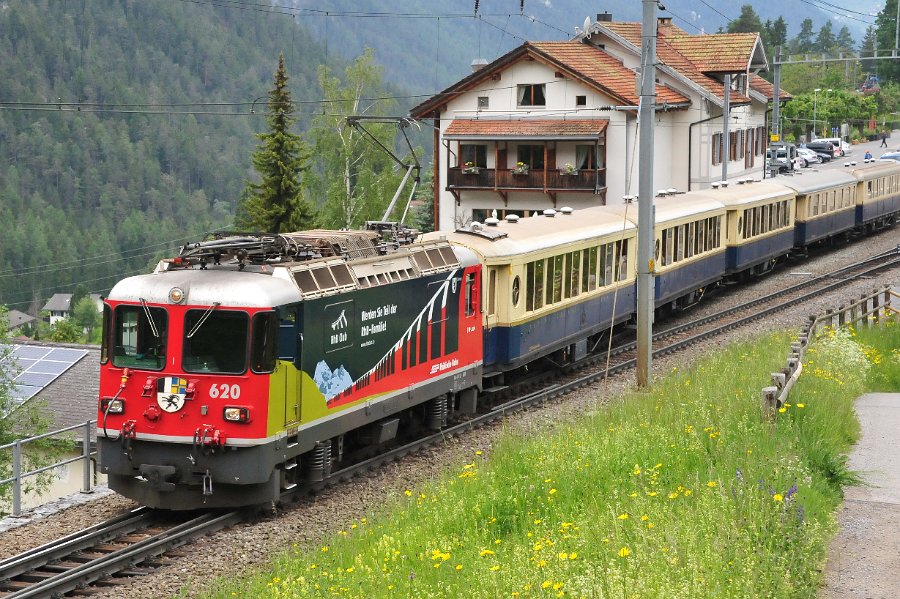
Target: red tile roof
[766,88]
[580,61]
[526,128]
[602,70]
[697,56]
[717,53]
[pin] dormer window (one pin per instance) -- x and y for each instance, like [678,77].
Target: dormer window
[532,95]
[739,83]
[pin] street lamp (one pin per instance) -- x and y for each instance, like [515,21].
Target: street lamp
[815,107]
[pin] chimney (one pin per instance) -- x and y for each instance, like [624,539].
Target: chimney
[664,21]
[478,64]
[604,17]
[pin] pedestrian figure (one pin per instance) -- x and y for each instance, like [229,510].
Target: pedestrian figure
[883,139]
[868,155]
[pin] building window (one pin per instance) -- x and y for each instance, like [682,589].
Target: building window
[717,148]
[483,103]
[586,157]
[532,95]
[532,156]
[474,153]
[580,100]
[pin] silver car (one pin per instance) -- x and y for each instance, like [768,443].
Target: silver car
[807,157]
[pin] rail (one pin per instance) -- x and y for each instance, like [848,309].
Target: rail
[17,462]
[869,308]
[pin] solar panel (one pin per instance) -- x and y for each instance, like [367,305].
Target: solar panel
[49,367]
[33,367]
[29,351]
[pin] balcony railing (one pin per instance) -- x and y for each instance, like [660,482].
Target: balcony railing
[553,180]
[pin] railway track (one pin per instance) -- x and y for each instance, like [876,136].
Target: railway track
[129,544]
[123,546]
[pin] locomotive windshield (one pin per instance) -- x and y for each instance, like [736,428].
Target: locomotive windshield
[139,339]
[218,344]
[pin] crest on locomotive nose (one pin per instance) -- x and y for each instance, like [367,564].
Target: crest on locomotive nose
[170,393]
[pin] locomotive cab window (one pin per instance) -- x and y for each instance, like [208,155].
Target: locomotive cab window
[215,341]
[139,337]
[104,339]
[263,346]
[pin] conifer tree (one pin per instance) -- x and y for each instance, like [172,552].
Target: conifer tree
[276,203]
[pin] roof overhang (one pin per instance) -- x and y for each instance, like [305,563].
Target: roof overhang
[537,129]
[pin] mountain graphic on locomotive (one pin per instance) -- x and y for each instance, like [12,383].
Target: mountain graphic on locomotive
[250,364]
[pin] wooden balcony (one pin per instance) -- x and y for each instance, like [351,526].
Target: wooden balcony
[585,180]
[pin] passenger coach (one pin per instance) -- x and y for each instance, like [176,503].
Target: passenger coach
[554,282]
[759,224]
[689,246]
[825,205]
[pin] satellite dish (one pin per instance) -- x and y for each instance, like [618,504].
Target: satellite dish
[587,24]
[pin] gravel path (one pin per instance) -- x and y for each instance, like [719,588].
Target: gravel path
[234,551]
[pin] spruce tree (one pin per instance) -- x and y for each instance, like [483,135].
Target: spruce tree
[276,203]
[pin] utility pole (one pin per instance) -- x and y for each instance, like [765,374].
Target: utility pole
[776,105]
[726,117]
[645,266]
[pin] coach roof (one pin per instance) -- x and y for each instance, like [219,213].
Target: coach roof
[540,233]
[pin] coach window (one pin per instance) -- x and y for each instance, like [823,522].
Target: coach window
[589,270]
[215,341]
[623,260]
[557,278]
[263,345]
[139,338]
[515,291]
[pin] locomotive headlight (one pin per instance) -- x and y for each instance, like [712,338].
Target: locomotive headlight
[176,295]
[236,414]
[109,405]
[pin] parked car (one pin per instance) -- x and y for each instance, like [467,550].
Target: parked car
[824,149]
[781,156]
[808,157]
[891,156]
[840,145]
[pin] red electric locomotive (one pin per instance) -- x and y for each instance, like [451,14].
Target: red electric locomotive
[247,365]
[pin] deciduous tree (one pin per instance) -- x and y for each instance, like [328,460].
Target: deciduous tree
[355,177]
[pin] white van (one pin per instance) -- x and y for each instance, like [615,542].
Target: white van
[842,148]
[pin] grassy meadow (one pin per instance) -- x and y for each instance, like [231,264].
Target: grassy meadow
[682,491]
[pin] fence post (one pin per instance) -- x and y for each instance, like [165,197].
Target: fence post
[17,478]
[876,306]
[842,316]
[86,453]
[864,315]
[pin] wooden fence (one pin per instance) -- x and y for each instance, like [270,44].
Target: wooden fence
[868,309]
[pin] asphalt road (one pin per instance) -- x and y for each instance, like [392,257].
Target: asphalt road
[858,152]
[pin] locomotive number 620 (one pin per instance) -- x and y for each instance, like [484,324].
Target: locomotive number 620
[224,391]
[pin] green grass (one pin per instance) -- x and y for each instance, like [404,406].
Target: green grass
[684,491]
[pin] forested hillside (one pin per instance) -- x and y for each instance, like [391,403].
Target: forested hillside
[112,144]
[126,125]
[429,44]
